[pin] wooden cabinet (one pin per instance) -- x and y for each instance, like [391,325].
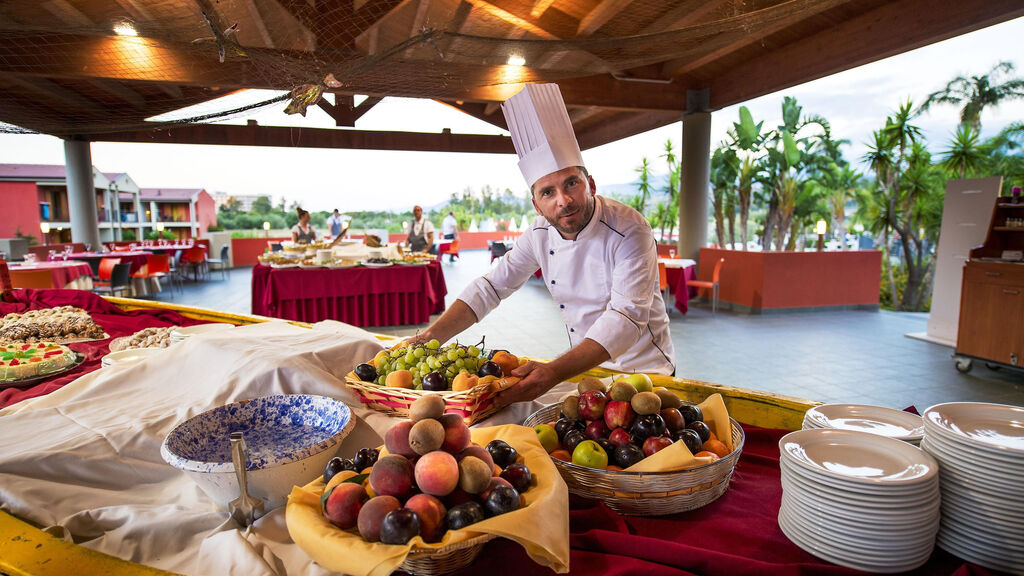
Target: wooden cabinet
[992,297]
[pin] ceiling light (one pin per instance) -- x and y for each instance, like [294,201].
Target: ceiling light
[125,29]
[516,60]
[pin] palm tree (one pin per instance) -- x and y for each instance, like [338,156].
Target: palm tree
[965,154]
[644,186]
[975,93]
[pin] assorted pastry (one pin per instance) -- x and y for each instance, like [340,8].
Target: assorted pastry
[145,338]
[61,324]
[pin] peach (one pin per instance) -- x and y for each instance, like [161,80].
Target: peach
[479,452]
[437,473]
[371,515]
[456,434]
[396,439]
[344,503]
[392,475]
[432,513]
[507,361]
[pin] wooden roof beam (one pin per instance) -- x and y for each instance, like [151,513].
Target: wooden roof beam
[600,16]
[623,125]
[481,111]
[339,15]
[344,111]
[867,38]
[292,137]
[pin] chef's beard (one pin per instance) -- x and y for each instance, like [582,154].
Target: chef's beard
[588,213]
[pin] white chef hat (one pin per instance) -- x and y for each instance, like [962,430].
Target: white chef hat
[541,131]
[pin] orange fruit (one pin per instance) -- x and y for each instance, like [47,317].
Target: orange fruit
[562,455]
[706,454]
[612,467]
[717,447]
[507,361]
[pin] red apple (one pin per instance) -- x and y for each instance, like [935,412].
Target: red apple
[655,443]
[596,429]
[591,404]
[619,414]
[619,437]
[674,420]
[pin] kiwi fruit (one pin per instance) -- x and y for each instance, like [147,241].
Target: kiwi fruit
[426,407]
[474,475]
[426,436]
[591,383]
[643,403]
[571,407]
[668,398]
[622,390]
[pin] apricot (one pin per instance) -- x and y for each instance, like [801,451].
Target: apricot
[392,475]
[426,436]
[396,439]
[372,513]
[399,379]
[437,473]
[474,475]
[562,455]
[456,434]
[479,452]
[507,361]
[707,454]
[717,447]
[429,406]
[344,503]
[432,513]
[613,467]
[464,381]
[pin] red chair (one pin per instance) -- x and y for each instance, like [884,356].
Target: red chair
[157,266]
[451,248]
[105,270]
[713,285]
[663,281]
[195,258]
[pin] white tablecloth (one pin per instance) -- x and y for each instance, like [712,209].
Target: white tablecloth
[85,462]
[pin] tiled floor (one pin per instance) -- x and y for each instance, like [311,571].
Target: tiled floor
[849,356]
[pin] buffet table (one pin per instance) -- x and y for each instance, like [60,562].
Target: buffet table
[64,274]
[97,477]
[359,296]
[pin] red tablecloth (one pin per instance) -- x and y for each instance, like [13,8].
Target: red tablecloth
[62,272]
[113,320]
[677,280]
[137,259]
[736,535]
[359,296]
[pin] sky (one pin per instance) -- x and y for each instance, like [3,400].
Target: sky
[856,103]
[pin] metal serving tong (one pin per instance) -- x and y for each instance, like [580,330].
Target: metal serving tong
[245,509]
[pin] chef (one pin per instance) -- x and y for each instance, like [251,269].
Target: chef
[597,256]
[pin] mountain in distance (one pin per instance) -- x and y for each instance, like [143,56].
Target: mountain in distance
[658,185]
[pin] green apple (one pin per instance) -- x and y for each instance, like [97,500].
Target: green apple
[590,454]
[547,436]
[642,382]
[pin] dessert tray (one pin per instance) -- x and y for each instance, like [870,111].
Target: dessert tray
[22,382]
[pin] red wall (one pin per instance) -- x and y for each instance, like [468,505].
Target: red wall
[20,201]
[778,280]
[206,210]
[245,250]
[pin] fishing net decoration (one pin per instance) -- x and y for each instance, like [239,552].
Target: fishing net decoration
[64,71]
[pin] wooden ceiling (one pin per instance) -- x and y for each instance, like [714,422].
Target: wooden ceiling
[624,66]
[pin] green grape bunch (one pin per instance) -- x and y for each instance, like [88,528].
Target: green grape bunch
[431,365]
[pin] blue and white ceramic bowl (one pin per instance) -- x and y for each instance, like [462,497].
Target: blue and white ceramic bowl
[290,438]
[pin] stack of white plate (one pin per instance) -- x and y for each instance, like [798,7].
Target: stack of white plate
[878,420]
[980,449]
[129,356]
[179,334]
[859,500]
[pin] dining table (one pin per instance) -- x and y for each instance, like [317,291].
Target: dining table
[360,295]
[70,274]
[678,272]
[137,258]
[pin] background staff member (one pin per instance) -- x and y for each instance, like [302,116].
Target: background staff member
[598,258]
[303,233]
[421,233]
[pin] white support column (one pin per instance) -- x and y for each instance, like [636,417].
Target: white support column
[81,192]
[696,174]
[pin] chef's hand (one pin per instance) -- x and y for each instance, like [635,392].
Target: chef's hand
[536,379]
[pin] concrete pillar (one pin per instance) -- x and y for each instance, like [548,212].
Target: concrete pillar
[81,192]
[696,173]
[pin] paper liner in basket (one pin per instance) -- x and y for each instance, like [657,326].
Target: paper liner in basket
[541,527]
[677,456]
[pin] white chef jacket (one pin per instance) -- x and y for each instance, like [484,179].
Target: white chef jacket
[605,284]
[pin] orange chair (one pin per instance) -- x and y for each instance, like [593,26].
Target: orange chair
[451,248]
[157,266]
[106,269]
[713,285]
[663,281]
[194,258]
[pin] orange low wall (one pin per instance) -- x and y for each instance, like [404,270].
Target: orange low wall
[245,250]
[766,281]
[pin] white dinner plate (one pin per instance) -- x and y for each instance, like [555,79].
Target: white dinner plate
[957,547]
[281,266]
[983,520]
[968,463]
[849,535]
[856,500]
[129,356]
[997,427]
[865,418]
[310,266]
[913,531]
[376,264]
[880,518]
[858,457]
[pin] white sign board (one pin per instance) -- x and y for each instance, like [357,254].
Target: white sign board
[965,220]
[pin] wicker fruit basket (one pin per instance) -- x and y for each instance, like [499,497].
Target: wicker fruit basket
[473,405]
[436,561]
[647,493]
